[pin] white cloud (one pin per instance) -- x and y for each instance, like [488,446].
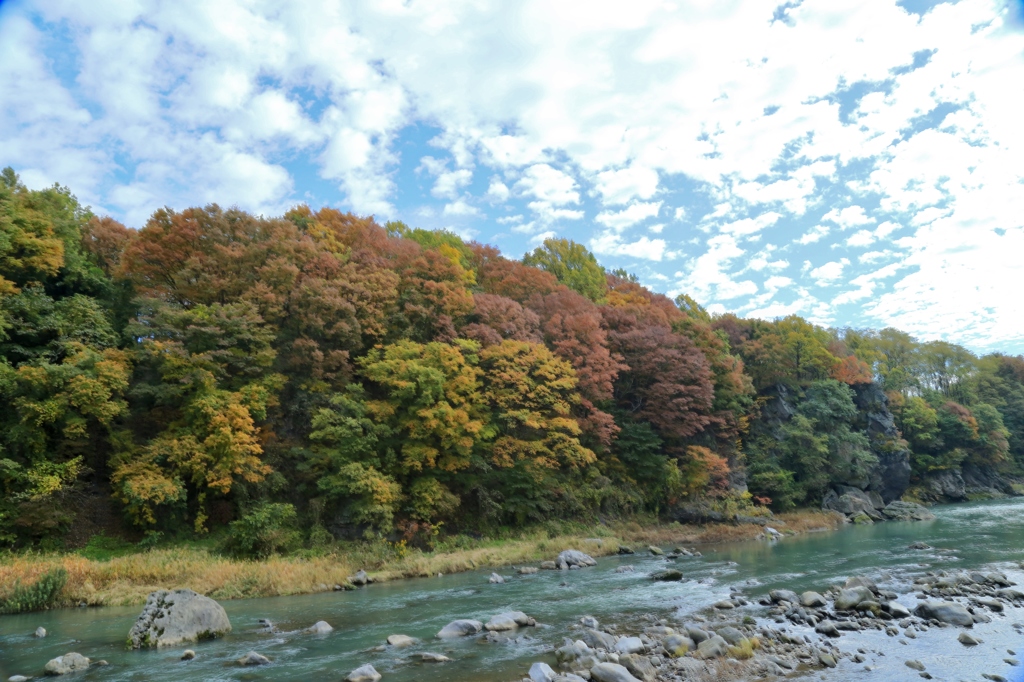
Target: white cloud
[460,207]
[497,191]
[610,244]
[830,272]
[549,185]
[450,183]
[631,215]
[848,217]
[620,186]
[814,234]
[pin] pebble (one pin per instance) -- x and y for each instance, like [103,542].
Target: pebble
[915,665]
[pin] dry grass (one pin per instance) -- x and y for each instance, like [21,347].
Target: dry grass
[126,580]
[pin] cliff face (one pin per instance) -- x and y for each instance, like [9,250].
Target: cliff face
[891,476]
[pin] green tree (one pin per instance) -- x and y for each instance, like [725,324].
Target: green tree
[573,265]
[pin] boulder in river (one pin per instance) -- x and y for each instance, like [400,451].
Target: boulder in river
[573,557]
[589,622]
[784,595]
[945,612]
[598,640]
[428,657]
[495,579]
[17,678]
[667,575]
[848,599]
[656,551]
[611,672]
[68,663]
[253,658]
[364,673]
[542,672]
[40,632]
[188,655]
[178,617]
[526,570]
[968,640]
[460,628]
[812,600]
[360,578]
[898,510]
[400,641]
[510,620]
[321,627]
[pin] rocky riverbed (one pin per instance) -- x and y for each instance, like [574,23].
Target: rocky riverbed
[890,601]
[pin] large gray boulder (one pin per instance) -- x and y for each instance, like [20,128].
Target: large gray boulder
[68,663]
[899,510]
[784,595]
[542,672]
[812,600]
[848,599]
[945,612]
[598,640]
[678,645]
[639,667]
[253,658]
[460,628]
[574,557]
[630,645]
[611,672]
[851,502]
[510,620]
[178,617]
[713,647]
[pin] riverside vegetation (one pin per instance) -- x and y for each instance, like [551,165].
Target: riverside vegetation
[317,385]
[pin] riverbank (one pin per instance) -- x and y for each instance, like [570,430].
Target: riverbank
[126,580]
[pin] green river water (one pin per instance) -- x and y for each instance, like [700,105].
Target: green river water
[969,536]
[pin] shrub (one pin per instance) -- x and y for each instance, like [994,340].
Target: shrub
[267,529]
[40,595]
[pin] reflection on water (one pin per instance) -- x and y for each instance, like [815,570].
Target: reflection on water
[964,536]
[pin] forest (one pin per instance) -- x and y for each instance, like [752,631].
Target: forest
[318,376]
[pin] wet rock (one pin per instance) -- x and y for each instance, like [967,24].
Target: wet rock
[848,599]
[968,640]
[919,545]
[668,574]
[945,612]
[826,659]
[639,667]
[40,632]
[364,673]
[678,645]
[994,678]
[624,569]
[812,600]
[178,617]
[1011,661]
[630,645]
[428,657]
[589,622]
[698,635]
[714,647]
[253,658]
[548,566]
[784,595]
[188,655]
[510,620]
[17,678]
[574,557]
[896,610]
[542,672]
[400,641]
[861,519]
[656,551]
[899,510]
[915,665]
[526,570]
[827,628]
[625,550]
[724,604]
[68,663]
[851,502]
[460,628]
[495,579]
[360,579]
[611,672]
[321,627]
[730,635]
[598,639]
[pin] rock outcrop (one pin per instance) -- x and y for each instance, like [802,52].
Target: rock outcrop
[68,663]
[890,477]
[178,617]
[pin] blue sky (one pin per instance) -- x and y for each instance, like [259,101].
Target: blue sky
[857,163]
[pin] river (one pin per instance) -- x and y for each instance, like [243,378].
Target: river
[968,536]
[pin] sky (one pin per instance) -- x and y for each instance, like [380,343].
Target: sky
[856,162]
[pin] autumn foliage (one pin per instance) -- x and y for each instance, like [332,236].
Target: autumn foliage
[380,377]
